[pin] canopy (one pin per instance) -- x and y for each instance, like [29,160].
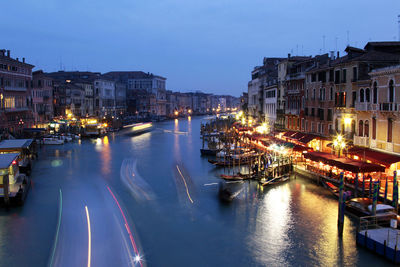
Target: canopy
[385,159]
[344,163]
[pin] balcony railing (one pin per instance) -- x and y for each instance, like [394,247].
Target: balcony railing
[361,141]
[388,106]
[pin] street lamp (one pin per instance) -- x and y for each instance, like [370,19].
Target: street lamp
[339,143]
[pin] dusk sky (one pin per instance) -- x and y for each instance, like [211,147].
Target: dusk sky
[197,45]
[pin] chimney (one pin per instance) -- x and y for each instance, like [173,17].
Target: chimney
[332,55]
[17,59]
[288,55]
[337,54]
[23,60]
[8,53]
[2,52]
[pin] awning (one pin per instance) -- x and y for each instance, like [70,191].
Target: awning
[299,148]
[307,138]
[385,159]
[288,133]
[344,163]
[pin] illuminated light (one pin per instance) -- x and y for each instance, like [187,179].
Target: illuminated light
[105,140]
[137,259]
[342,145]
[105,125]
[184,181]
[176,113]
[128,229]
[339,138]
[189,118]
[356,157]
[89,237]
[190,111]
[347,121]
[335,143]
[142,126]
[243,121]
[14,162]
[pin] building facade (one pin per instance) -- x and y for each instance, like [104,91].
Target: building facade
[15,94]
[42,95]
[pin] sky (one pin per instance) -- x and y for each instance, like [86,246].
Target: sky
[207,45]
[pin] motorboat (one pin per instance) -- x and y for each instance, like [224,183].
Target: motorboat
[14,186]
[52,141]
[361,207]
[275,181]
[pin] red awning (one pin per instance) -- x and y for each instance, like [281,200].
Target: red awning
[344,163]
[289,133]
[385,159]
[307,138]
[299,148]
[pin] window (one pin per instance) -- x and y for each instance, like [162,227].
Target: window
[312,112]
[390,129]
[391,92]
[329,118]
[361,95]
[360,128]
[337,76]
[354,98]
[374,128]
[353,126]
[375,94]
[331,94]
[366,128]
[344,76]
[336,124]
[313,94]
[367,95]
[354,74]
[331,75]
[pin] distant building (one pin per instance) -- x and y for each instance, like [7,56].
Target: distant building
[42,95]
[15,94]
[138,80]
[105,97]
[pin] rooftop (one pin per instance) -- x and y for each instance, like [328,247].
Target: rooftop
[16,143]
[7,159]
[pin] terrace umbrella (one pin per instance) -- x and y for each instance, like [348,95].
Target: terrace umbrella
[395,201]
[386,189]
[363,185]
[356,186]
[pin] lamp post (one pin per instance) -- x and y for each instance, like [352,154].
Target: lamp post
[339,143]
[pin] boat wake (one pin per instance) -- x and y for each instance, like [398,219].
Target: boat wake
[131,178]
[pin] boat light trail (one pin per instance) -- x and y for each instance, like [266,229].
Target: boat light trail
[128,229]
[89,237]
[210,184]
[58,229]
[184,181]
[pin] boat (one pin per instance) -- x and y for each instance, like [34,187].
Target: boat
[52,141]
[26,149]
[229,163]
[235,177]
[138,128]
[14,186]
[362,207]
[227,193]
[275,181]
[209,151]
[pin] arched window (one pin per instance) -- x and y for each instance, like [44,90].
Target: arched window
[375,95]
[367,95]
[331,94]
[353,126]
[360,128]
[391,92]
[362,95]
[366,128]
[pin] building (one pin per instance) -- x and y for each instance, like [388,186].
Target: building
[42,95]
[120,99]
[139,80]
[378,111]
[15,94]
[259,76]
[270,95]
[352,82]
[104,91]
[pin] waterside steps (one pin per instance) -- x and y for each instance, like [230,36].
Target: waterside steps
[383,241]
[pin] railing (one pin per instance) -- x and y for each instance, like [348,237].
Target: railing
[363,106]
[390,106]
[361,141]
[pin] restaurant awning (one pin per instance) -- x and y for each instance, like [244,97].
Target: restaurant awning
[344,163]
[307,138]
[288,133]
[385,159]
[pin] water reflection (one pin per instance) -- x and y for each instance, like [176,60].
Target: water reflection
[102,145]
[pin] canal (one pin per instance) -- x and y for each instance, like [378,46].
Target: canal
[152,195]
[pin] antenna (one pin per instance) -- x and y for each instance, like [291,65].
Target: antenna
[348,38]
[323,43]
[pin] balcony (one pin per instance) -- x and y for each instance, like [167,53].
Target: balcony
[365,106]
[292,111]
[390,107]
[361,141]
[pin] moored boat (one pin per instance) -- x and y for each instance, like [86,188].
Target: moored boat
[52,141]
[275,181]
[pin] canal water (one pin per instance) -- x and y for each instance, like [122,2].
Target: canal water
[153,198]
